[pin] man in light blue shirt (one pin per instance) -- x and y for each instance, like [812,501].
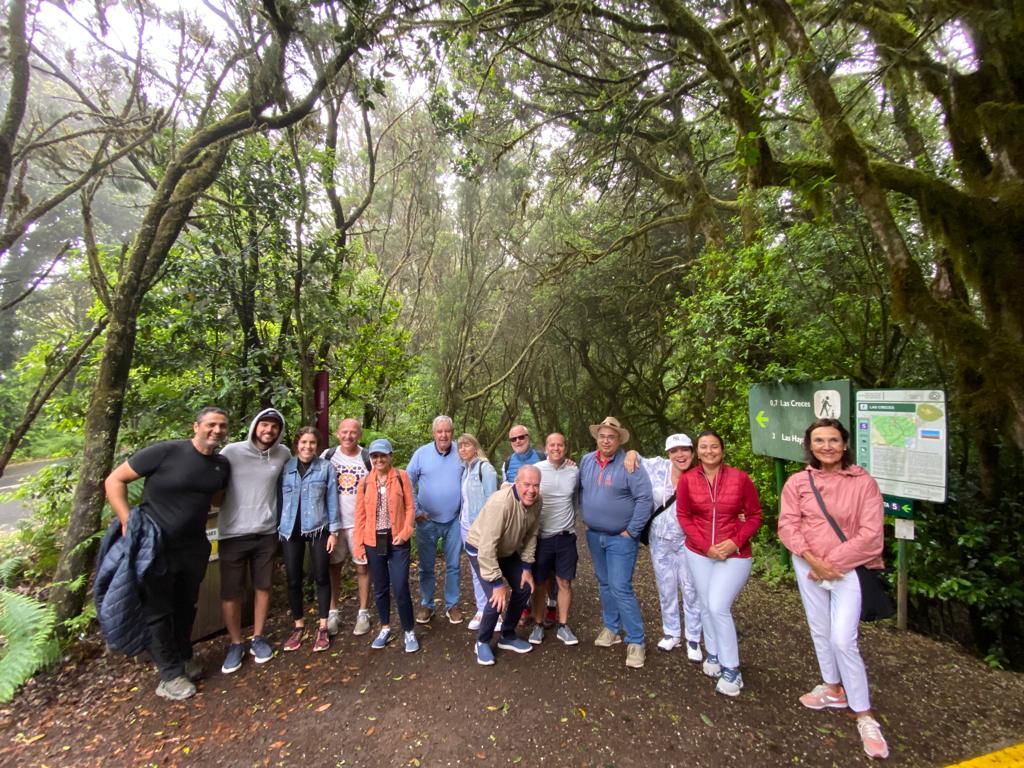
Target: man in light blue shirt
[436,475]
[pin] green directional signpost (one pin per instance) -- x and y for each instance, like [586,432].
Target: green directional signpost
[780,412]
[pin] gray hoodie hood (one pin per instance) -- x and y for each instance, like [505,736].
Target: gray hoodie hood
[250,504]
[266,414]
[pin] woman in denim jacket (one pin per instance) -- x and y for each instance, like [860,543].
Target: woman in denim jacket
[308,514]
[479,481]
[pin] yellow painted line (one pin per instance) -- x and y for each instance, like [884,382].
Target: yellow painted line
[1011,757]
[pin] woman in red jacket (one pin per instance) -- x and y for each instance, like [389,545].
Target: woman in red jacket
[719,511]
[826,566]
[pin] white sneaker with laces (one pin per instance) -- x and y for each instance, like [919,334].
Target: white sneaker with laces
[474,623]
[333,622]
[693,652]
[667,643]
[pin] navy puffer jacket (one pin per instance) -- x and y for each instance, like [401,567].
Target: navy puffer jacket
[117,591]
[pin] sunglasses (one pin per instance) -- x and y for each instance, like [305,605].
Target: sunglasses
[517,438]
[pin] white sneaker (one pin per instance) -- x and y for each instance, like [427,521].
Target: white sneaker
[730,683]
[474,623]
[667,643]
[693,652]
[333,622]
[362,623]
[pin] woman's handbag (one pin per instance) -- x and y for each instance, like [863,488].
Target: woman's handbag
[875,602]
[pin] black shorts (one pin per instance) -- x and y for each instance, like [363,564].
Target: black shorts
[239,555]
[558,555]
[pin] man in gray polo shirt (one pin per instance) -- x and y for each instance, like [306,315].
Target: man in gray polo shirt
[557,555]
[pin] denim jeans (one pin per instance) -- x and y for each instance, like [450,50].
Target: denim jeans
[512,570]
[614,558]
[427,534]
[390,572]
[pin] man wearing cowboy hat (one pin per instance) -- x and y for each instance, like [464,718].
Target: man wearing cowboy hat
[615,505]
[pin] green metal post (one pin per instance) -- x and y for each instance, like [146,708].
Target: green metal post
[780,480]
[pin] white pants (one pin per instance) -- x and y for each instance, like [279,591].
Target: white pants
[479,596]
[672,576]
[833,616]
[718,582]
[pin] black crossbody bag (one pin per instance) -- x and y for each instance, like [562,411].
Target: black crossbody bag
[645,534]
[875,603]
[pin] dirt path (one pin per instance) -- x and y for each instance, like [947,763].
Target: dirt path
[557,706]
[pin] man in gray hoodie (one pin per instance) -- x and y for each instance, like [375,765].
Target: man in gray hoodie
[247,531]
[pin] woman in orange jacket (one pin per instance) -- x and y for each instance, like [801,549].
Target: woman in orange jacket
[384,525]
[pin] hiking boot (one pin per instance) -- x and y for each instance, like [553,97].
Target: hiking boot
[711,666]
[537,634]
[194,669]
[474,623]
[513,643]
[693,652]
[323,640]
[667,643]
[871,737]
[294,641]
[484,654]
[566,636]
[821,698]
[635,655]
[233,659]
[606,638]
[178,689]
[383,637]
[411,643]
[454,615]
[261,650]
[362,622]
[730,683]
[424,614]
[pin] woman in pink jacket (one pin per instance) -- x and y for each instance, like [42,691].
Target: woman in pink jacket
[719,512]
[826,567]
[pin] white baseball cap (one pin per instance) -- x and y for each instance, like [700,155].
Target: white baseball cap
[678,441]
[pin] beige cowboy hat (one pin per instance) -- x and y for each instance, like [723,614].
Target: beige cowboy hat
[611,421]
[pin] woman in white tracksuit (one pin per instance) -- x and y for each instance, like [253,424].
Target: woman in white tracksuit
[666,543]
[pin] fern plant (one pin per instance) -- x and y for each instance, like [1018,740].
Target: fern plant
[26,627]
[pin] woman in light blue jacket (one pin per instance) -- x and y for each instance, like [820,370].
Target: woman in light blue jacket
[308,514]
[479,481]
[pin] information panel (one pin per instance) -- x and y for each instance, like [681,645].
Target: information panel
[780,413]
[901,440]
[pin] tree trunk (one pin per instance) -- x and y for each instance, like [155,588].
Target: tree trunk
[102,422]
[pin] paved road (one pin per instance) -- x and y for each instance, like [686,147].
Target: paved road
[13,511]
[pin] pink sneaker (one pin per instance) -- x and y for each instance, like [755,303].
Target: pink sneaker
[294,641]
[323,640]
[871,736]
[823,698]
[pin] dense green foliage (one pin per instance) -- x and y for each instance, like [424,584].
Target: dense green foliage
[551,212]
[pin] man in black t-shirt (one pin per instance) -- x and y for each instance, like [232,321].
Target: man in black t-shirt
[182,479]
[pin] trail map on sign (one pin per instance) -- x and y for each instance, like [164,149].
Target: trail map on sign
[901,441]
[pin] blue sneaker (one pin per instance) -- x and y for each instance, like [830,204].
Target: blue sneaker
[484,654]
[411,643]
[513,643]
[233,660]
[382,639]
[261,650]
